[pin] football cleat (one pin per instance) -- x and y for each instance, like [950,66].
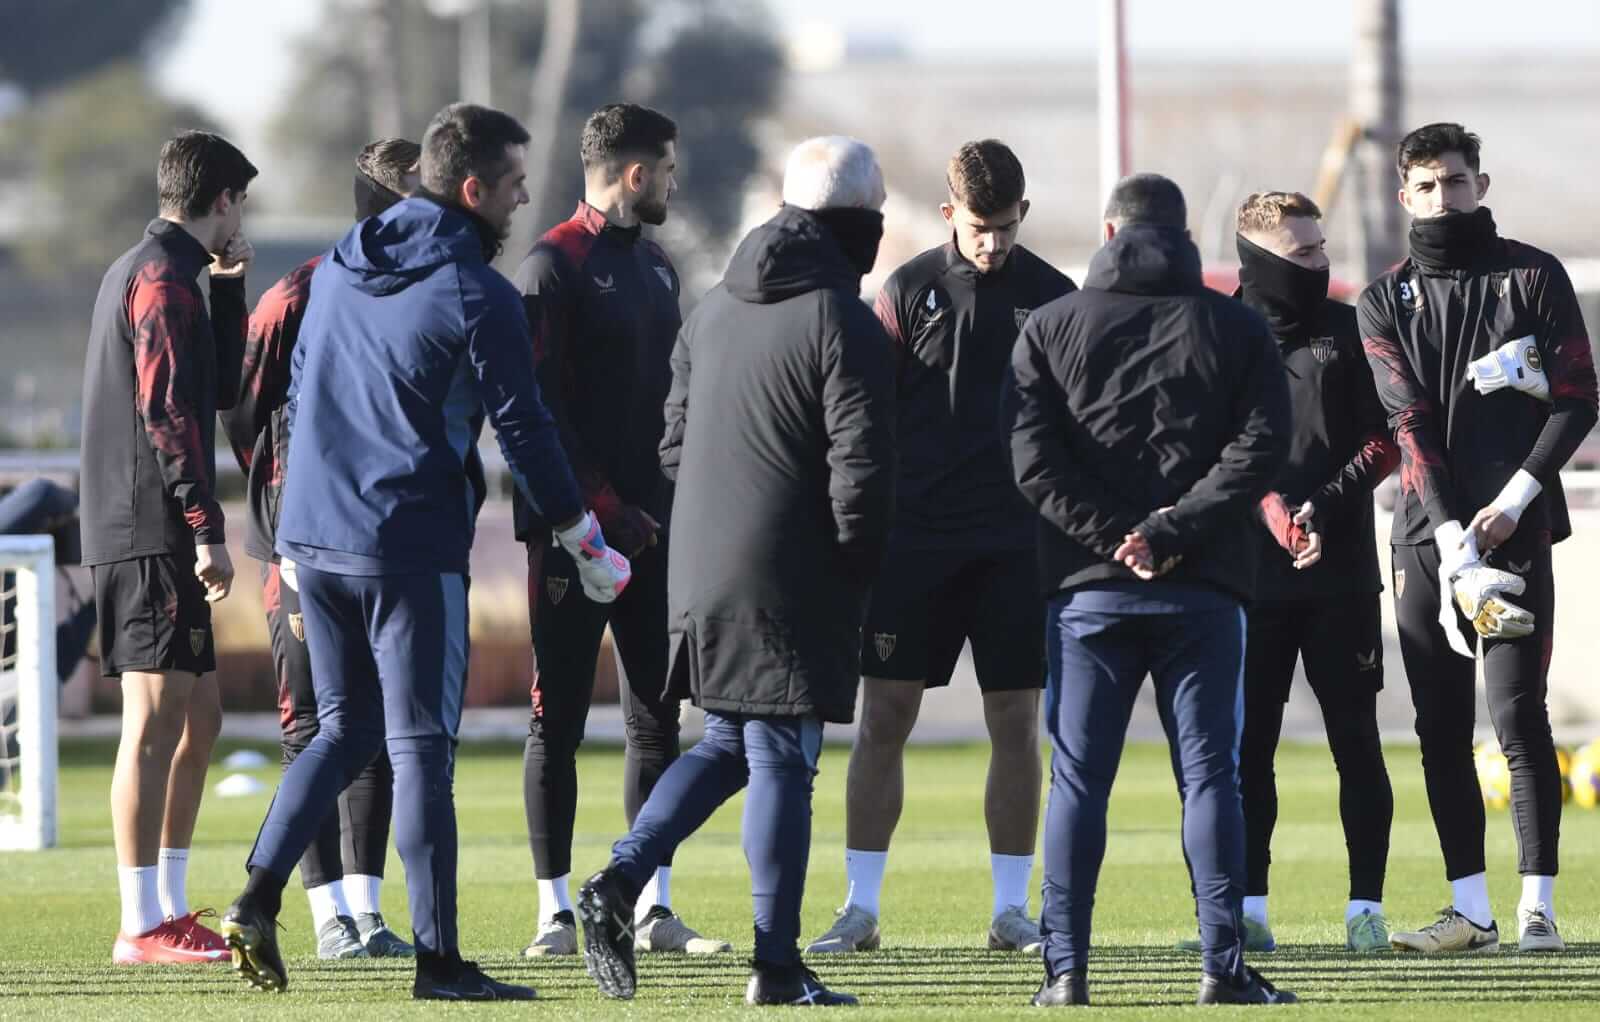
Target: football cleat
[1254,990]
[1538,930]
[1452,931]
[607,916]
[1257,939]
[1012,930]
[556,936]
[253,940]
[338,938]
[662,930]
[200,934]
[1070,989]
[171,943]
[450,978]
[792,985]
[379,940]
[853,929]
[1367,932]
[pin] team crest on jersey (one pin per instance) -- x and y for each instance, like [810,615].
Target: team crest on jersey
[555,587]
[297,627]
[665,275]
[1322,348]
[197,640]
[1021,316]
[883,642]
[1399,583]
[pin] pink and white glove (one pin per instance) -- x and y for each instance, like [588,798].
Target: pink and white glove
[603,571]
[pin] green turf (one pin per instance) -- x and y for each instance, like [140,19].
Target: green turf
[58,910]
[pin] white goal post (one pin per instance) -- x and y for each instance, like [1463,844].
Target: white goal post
[28,689]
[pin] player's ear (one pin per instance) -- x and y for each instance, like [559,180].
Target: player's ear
[1022,210]
[472,192]
[948,211]
[1405,200]
[634,177]
[1483,186]
[1108,230]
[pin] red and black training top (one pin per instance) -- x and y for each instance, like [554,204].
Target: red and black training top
[603,304]
[158,368]
[1421,324]
[953,329]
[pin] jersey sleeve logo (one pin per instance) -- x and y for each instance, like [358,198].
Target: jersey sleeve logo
[1021,316]
[665,275]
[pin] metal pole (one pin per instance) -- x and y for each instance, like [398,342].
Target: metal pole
[1113,92]
[477,54]
[1376,98]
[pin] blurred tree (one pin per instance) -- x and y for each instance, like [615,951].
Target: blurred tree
[47,43]
[93,146]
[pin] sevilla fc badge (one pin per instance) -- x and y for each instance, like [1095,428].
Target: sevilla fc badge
[556,588]
[1399,583]
[883,642]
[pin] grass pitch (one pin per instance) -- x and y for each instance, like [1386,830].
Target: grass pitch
[58,910]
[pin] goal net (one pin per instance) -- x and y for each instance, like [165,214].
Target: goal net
[27,693]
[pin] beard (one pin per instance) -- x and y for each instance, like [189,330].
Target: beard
[652,211]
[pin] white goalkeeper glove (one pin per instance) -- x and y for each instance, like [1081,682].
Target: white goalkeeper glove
[1515,364]
[1478,590]
[603,572]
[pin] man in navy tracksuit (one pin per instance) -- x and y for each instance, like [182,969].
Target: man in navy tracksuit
[410,340]
[1150,417]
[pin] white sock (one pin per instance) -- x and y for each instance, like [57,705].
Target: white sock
[141,902]
[657,891]
[1358,906]
[326,903]
[1010,874]
[172,881]
[1539,890]
[555,896]
[361,892]
[1470,897]
[1255,907]
[864,872]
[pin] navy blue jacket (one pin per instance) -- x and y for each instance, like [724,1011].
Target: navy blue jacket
[409,340]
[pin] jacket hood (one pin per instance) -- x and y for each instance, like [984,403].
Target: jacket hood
[792,254]
[1144,259]
[405,243]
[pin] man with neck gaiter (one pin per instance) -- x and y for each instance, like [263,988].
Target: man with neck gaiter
[960,565]
[780,434]
[1149,418]
[1482,361]
[343,868]
[1317,581]
[603,302]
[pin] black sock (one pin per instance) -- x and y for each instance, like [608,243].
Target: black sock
[263,892]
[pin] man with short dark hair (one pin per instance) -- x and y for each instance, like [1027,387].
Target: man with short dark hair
[959,567]
[410,341]
[157,370]
[343,868]
[1482,361]
[603,301]
[1150,417]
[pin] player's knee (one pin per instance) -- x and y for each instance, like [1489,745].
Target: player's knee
[888,712]
[1012,719]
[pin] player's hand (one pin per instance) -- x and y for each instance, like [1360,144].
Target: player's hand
[633,531]
[1285,526]
[1308,550]
[235,257]
[214,568]
[1134,554]
[1491,527]
[604,572]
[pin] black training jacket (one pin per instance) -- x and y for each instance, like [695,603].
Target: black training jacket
[953,329]
[1142,391]
[1421,325]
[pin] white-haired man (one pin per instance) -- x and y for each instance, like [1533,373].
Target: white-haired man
[790,379]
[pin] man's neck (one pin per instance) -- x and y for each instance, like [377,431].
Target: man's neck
[613,206]
[199,230]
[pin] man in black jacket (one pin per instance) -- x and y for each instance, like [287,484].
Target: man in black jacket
[1483,364]
[1151,415]
[779,433]
[1317,582]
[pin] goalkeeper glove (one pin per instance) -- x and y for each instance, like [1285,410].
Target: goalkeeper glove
[1515,364]
[603,572]
[1280,521]
[1480,593]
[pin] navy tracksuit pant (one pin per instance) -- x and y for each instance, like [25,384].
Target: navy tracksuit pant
[389,662]
[1101,642]
[777,758]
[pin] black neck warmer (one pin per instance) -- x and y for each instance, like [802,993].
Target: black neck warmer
[1453,241]
[858,232]
[372,197]
[1288,295]
[488,236]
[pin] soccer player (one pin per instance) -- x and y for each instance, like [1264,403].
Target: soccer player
[780,434]
[157,369]
[1317,580]
[411,338]
[343,868]
[1483,364]
[603,301]
[1151,416]
[958,568]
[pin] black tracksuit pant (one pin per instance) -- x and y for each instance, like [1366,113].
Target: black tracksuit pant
[567,629]
[1340,640]
[1515,678]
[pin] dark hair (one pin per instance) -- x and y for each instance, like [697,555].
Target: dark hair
[388,161]
[618,131]
[195,168]
[1431,141]
[985,177]
[1147,199]
[466,140]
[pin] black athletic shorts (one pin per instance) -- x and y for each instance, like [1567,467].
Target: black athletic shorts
[153,616]
[926,604]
